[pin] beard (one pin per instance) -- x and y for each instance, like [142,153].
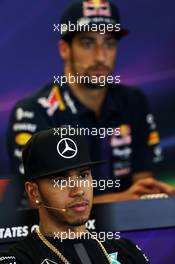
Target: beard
[90,80]
[59,218]
[96,82]
[63,218]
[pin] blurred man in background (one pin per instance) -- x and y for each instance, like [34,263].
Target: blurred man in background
[98,101]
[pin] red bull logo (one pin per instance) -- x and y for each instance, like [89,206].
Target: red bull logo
[96,8]
[53,102]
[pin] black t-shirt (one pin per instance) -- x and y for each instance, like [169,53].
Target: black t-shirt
[33,251]
[135,150]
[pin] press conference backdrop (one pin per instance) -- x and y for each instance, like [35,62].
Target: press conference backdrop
[29,59]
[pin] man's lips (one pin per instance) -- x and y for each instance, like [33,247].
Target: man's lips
[79,207]
[99,71]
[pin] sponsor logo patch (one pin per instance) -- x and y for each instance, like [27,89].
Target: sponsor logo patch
[125,137]
[70,103]
[153,138]
[18,153]
[113,257]
[24,126]
[20,114]
[121,172]
[48,261]
[125,130]
[124,153]
[22,138]
[8,258]
[53,102]
[150,120]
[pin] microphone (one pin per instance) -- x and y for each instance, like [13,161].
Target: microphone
[49,207]
[54,208]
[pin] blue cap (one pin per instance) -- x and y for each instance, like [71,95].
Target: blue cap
[86,14]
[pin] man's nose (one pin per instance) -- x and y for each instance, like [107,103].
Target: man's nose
[76,191]
[76,188]
[100,54]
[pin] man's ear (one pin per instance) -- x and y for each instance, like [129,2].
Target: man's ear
[31,189]
[64,50]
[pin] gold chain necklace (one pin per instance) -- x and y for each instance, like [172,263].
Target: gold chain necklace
[58,253]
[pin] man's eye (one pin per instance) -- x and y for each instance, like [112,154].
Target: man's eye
[87,43]
[111,44]
[84,175]
[59,180]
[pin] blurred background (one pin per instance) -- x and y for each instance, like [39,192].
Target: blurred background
[29,59]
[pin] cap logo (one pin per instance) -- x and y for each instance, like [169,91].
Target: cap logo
[48,261]
[96,8]
[96,3]
[67,148]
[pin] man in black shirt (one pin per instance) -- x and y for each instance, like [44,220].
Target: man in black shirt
[95,102]
[58,180]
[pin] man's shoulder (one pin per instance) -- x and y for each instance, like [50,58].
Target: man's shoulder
[126,92]
[121,243]
[127,248]
[24,243]
[7,258]
[32,101]
[20,252]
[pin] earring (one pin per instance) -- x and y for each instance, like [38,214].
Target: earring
[37,201]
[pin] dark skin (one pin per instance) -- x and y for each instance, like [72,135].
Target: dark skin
[89,54]
[77,200]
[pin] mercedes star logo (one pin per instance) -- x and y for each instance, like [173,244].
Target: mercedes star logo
[67,148]
[48,261]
